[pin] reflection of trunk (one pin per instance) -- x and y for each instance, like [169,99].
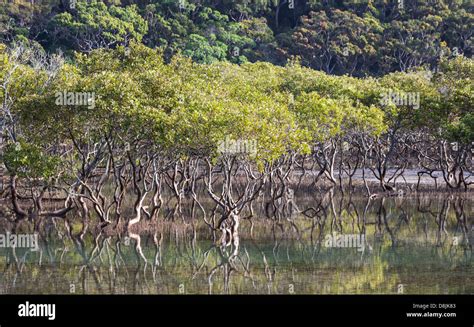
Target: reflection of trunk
[138,247]
[382,216]
[227,264]
[441,220]
[461,218]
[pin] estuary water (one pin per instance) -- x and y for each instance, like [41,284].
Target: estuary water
[413,245]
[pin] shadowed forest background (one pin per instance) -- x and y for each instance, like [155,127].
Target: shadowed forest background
[360,38]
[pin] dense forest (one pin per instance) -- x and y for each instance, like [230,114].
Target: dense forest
[360,38]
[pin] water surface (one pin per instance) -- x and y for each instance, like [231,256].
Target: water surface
[413,245]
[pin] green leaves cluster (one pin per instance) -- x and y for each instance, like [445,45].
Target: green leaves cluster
[30,161]
[92,25]
[182,108]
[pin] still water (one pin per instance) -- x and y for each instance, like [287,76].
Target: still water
[411,245]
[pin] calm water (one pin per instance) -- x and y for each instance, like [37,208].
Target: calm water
[411,245]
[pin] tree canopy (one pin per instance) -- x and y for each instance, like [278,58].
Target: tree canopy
[339,37]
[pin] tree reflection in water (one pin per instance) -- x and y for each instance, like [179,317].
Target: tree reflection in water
[423,242]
